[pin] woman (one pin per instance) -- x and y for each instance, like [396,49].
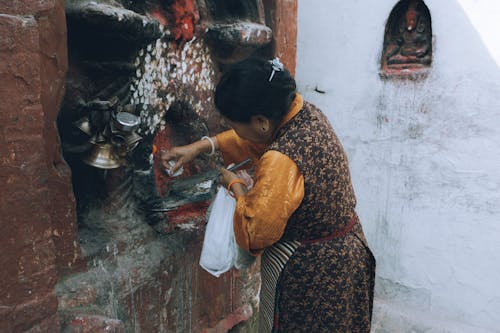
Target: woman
[317,270]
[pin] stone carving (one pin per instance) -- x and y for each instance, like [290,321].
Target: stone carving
[408,39]
[154,59]
[236,28]
[157,60]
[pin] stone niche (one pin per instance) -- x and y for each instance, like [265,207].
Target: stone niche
[139,230]
[407,50]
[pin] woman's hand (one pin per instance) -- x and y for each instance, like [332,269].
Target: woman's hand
[228,176]
[185,154]
[180,155]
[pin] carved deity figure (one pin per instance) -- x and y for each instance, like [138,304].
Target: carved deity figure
[408,37]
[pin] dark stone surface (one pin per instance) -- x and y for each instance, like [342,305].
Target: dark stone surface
[239,35]
[38,236]
[147,281]
[104,30]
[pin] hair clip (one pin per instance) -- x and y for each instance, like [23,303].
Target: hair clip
[277,67]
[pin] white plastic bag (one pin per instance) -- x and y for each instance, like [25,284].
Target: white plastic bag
[220,251]
[219,246]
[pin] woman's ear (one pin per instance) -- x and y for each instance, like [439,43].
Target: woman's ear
[262,124]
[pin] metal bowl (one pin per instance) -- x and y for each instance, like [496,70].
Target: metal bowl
[126,121]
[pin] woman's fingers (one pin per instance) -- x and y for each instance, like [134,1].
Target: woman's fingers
[178,164]
[165,156]
[173,159]
[222,172]
[226,176]
[243,174]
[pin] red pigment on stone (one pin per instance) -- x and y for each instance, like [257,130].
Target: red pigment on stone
[158,15]
[163,141]
[411,16]
[187,214]
[180,18]
[185,19]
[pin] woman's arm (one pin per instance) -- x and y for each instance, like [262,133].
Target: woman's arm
[233,148]
[262,213]
[187,153]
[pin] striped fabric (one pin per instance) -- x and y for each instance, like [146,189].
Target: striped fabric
[273,261]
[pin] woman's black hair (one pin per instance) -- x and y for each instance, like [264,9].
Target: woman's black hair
[245,91]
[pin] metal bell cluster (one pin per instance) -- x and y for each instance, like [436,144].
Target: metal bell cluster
[112,134]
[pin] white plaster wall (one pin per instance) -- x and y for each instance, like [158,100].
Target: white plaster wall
[424,156]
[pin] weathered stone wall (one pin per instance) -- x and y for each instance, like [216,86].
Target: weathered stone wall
[38,222]
[118,274]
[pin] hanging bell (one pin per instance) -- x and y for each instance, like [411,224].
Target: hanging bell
[97,138]
[103,156]
[133,140]
[84,125]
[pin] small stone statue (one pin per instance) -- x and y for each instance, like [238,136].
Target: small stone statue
[408,38]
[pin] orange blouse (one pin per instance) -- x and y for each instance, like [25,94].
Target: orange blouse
[261,215]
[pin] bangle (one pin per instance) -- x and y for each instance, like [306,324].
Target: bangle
[212,144]
[231,183]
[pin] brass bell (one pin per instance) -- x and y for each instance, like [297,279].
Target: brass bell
[103,156]
[97,138]
[119,143]
[84,125]
[133,140]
